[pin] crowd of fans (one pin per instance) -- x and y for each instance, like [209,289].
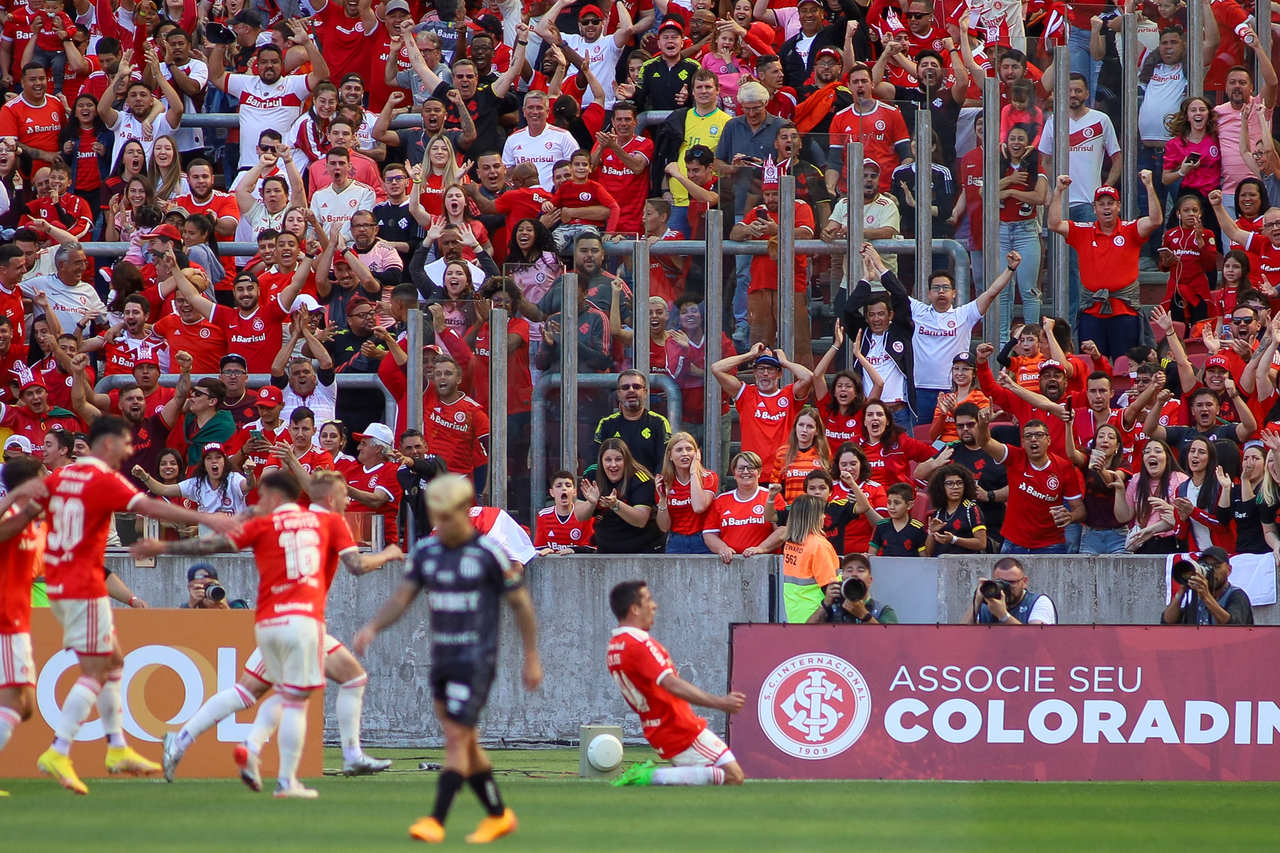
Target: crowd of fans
[400,154]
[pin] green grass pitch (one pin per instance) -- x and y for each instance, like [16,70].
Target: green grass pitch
[561,813]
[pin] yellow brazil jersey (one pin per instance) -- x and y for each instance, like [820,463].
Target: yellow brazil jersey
[698,130]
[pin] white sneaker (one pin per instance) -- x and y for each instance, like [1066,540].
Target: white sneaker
[172,755]
[365,765]
[295,789]
[248,763]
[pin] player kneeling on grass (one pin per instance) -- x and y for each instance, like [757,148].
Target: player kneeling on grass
[647,677]
[465,575]
[328,492]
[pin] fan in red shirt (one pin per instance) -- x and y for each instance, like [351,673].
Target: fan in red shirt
[504,294]
[348,33]
[188,331]
[1108,251]
[21,562]
[878,126]
[1046,492]
[583,201]
[33,117]
[766,412]
[892,453]
[69,212]
[80,501]
[559,530]
[647,678]
[621,160]
[1189,254]
[685,492]
[455,425]
[372,480]
[739,522]
[36,417]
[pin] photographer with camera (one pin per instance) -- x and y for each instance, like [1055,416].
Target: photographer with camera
[1003,599]
[204,592]
[849,601]
[1203,595]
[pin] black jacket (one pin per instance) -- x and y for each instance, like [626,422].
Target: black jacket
[795,69]
[413,481]
[901,329]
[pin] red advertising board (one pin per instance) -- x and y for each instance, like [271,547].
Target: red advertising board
[968,702]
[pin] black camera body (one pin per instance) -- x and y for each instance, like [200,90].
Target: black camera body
[994,588]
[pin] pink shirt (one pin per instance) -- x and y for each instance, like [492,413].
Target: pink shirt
[1207,174]
[1234,169]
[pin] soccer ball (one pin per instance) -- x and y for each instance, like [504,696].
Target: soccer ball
[604,753]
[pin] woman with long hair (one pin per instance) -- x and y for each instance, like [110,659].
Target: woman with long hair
[132,164]
[169,467]
[1144,503]
[1192,158]
[121,224]
[737,523]
[622,500]
[1024,187]
[1196,499]
[1190,255]
[806,450]
[534,266]
[166,169]
[458,297]
[685,492]
[851,476]
[213,489]
[964,389]
[809,561]
[955,525]
[126,280]
[1104,466]
[439,170]
[85,143]
[842,406]
[457,212]
[333,438]
[1244,506]
[201,243]
[891,452]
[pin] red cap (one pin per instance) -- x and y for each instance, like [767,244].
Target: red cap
[33,380]
[213,447]
[1217,360]
[1051,364]
[269,396]
[166,230]
[829,51]
[590,9]
[672,22]
[1105,190]
[147,356]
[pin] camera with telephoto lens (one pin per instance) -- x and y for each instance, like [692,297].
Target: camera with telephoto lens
[214,592]
[1184,569]
[994,588]
[853,589]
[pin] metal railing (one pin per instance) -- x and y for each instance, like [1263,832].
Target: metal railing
[360,381]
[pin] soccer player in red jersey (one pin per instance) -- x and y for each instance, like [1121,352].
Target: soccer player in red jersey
[559,530]
[329,493]
[80,501]
[21,557]
[647,677]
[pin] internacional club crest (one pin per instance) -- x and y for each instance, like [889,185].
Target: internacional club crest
[814,706]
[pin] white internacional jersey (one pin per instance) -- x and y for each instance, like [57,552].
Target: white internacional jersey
[336,207]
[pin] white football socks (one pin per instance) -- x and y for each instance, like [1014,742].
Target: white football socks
[293,733]
[111,710]
[349,705]
[80,701]
[220,705]
[688,776]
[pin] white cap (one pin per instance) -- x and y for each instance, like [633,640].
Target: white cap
[21,442]
[380,433]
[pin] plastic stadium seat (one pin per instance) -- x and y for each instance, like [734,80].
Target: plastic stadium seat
[921,432]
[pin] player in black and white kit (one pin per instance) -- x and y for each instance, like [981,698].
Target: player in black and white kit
[465,575]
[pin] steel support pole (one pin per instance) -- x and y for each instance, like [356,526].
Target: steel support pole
[569,374]
[992,262]
[640,310]
[413,417]
[1195,48]
[712,312]
[924,198]
[1262,18]
[498,370]
[855,233]
[787,270]
[1059,274]
[1129,141]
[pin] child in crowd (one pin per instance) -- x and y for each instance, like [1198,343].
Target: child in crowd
[899,535]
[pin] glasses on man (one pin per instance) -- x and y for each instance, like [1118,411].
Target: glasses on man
[635,387]
[199,393]
[939,288]
[1035,435]
[233,372]
[1240,321]
[918,16]
[360,315]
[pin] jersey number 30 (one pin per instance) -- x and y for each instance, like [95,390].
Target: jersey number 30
[301,553]
[67,527]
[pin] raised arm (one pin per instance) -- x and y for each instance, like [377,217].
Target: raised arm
[1056,223]
[986,297]
[726,369]
[503,84]
[1186,371]
[1155,215]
